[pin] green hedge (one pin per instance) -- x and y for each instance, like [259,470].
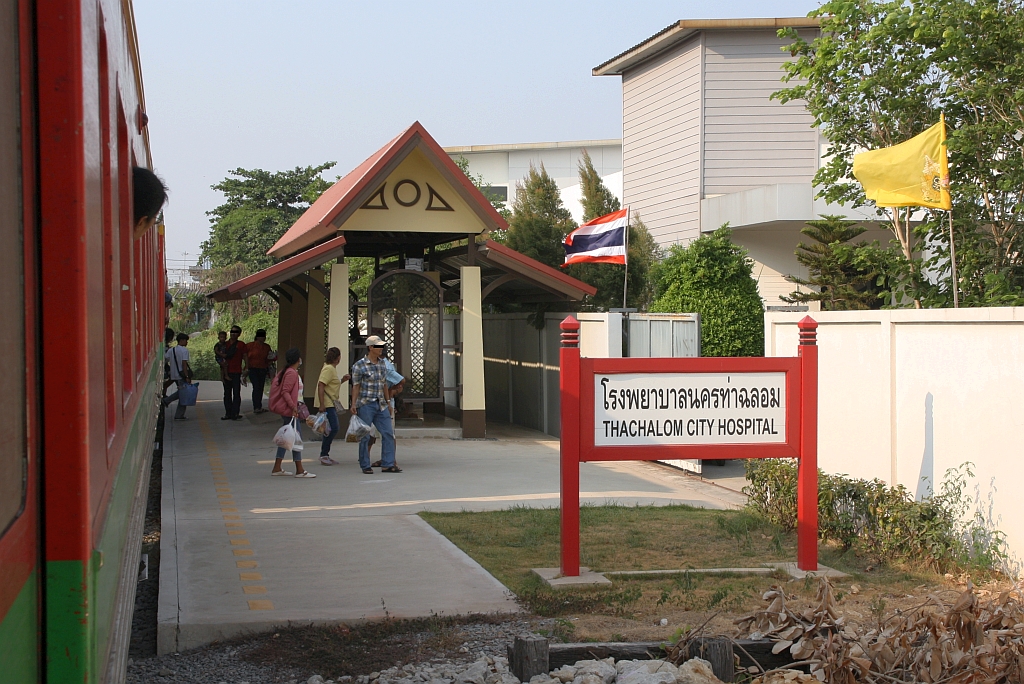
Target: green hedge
[880,521]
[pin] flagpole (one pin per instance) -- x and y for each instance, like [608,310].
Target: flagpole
[952,262]
[625,272]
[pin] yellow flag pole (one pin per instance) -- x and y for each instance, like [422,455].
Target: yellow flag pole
[952,261]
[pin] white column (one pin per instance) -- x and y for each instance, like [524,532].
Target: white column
[473,403]
[337,325]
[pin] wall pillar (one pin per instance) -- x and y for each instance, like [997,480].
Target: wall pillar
[472,359]
[297,324]
[337,325]
[316,335]
[284,323]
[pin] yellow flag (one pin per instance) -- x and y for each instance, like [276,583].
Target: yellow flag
[914,173]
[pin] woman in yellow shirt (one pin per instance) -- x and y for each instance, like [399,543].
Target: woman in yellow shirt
[328,390]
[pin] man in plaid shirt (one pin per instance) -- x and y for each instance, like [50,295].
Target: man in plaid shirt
[370,401]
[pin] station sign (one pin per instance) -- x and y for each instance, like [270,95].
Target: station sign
[656,409]
[644,409]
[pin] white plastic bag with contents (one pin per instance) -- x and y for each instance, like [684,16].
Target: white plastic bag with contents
[357,429]
[288,437]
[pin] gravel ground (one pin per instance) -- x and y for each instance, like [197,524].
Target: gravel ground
[143,639]
[434,651]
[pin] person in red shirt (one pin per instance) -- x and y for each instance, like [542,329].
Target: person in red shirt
[258,357]
[234,365]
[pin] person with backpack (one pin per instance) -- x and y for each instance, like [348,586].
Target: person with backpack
[286,401]
[181,372]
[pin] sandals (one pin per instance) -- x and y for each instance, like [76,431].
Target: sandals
[367,471]
[392,469]
[375,464]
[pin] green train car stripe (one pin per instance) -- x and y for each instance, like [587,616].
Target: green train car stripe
[19,637]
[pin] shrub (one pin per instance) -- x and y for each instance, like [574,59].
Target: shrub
[713,277]
[883,522]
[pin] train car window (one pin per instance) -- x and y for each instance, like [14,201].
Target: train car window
[107,193]
[124,248]
[13,454]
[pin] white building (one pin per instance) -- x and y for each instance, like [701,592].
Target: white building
[502,166]
[703,143]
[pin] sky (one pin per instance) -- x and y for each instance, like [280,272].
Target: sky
[276,85]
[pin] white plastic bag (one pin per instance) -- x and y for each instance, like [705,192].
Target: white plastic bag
[288,437]
[357,429]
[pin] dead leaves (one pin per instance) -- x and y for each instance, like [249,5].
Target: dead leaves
[968,642]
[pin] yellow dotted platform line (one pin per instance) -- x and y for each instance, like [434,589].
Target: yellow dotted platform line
[234,526]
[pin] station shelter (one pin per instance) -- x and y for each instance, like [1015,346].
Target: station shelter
[426,226]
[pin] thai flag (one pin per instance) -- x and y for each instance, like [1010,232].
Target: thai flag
[599,241]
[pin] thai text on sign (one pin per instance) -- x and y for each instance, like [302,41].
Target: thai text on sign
[689,408]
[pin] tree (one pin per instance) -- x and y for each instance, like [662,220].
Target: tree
[880,73]
[484,187]
[539,221]
[259,207]
[714,278]
[598,200]
[836,281]
[868,85]
[978,47]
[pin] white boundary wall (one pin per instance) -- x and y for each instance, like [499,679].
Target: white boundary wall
[521,363]
[905,395]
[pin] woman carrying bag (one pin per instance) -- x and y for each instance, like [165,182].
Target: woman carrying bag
[286,401]
[328,392]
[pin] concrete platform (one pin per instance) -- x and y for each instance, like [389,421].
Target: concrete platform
[243,551]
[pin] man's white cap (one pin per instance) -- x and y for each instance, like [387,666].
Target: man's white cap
[373,341]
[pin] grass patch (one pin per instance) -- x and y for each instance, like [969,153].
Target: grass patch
[511,542]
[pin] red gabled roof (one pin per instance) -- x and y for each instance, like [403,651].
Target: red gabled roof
[518,262]
[280,272]
[349,193]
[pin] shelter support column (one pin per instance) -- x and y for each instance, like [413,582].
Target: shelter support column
[472,359]
[316,335]
[337,323]
[284,322]
[297,324]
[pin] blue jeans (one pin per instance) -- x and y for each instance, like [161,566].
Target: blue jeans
[180,411]
[332,420]
[296,455]
[378,416]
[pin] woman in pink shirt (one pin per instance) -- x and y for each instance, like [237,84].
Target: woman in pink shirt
[285,395]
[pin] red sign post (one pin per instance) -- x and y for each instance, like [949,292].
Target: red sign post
[708,408]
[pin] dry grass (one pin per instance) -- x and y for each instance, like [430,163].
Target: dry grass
[509,543]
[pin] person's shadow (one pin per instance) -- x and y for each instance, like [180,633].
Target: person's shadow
[926,482]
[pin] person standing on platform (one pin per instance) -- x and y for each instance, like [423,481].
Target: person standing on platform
[257,355]
[181,372]
[328,394]
[370,401]
[285,395]
[234,365]
[218,355]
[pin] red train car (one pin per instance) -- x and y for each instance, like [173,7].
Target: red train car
[81,320]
